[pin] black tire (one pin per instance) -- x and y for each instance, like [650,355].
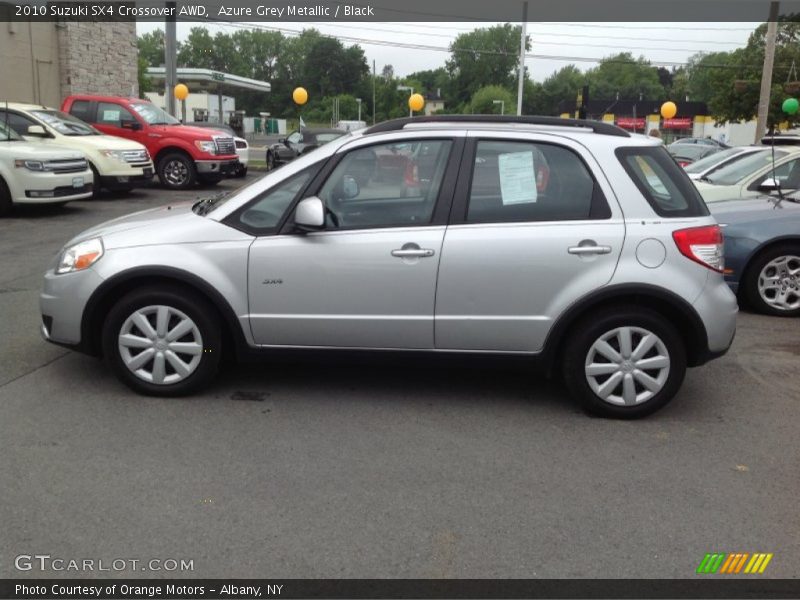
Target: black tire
[96,187]
[750,281]
[242,172]
[270,160]
[176,171]
[583,336]
[5,199]
[196,308]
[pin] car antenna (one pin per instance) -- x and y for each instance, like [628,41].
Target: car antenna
[774,174]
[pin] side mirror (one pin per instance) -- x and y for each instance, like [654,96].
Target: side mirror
[310,214]
[769,185]
[350,187]
[37,131]
[132,125]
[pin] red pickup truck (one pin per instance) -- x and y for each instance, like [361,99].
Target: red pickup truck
[183,155]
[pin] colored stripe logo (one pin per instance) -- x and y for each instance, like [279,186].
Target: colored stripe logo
[734,563]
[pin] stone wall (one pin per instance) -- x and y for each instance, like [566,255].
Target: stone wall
[98,58]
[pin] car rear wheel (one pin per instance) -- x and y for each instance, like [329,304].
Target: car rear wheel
[270,161]
[163,341]
[772,283]
[176,171]
[624,363]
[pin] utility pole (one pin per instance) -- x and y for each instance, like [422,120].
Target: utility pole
[171,60]
[766,75]
[522,57]
[373,91]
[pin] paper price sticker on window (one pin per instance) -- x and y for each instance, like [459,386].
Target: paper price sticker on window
[517,178]
[111,115]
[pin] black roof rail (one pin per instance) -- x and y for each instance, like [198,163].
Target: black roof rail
[596,126]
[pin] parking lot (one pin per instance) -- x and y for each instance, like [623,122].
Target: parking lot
[313,469]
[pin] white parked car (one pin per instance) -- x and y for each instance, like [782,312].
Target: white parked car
[754,175]
[118,164]
[33,174]
[699,169]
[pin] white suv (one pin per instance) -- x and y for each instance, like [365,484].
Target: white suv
[118,164]
[32,174]
[571,243]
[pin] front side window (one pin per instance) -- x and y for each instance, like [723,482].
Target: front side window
[295,137]
[523,181]
[386,185]
[113,114]
[787,174]
[665,186]
[17,122]
[264,214]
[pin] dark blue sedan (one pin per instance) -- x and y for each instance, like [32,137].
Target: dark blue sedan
[762,251]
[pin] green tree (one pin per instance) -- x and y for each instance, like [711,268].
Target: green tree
[564,84]
[151,48]
[627,76]
[483,101]
[488,56]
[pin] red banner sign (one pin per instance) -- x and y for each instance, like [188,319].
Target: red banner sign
[682,123]
[630,123]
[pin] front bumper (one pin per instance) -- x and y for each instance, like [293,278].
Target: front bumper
[213,167]
[48,188]
[62,303]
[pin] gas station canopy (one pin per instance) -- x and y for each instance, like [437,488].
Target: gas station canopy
[208,80]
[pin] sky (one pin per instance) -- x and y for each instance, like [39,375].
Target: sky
[554,44]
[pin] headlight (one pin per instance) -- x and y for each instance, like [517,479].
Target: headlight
[31,165]
[80,256]
[118,154]
[209,147]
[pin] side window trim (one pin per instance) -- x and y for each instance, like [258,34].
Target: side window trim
[600,208]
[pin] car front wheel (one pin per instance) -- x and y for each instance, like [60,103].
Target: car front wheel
[624,363]
[163,341]
[176,171]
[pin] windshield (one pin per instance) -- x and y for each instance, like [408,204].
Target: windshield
[7,134]
[63,123]
[734,173]
[714,159]
[153,115]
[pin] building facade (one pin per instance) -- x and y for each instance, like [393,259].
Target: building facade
[43,63]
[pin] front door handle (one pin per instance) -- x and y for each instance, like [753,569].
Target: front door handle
[412,250]
[586,249]
[418,253]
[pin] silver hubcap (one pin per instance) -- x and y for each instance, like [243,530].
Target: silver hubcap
[779,283]
[627,366]
[160,344]
[175,172]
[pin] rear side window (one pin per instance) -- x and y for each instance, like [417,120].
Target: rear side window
[527,181]
[665,186]
[82,109]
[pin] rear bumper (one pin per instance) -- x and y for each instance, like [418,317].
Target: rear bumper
[717,308]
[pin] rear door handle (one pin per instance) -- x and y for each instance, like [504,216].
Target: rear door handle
[593,249]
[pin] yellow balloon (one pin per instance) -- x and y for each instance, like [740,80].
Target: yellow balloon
[300,96]
[416,102]
[669,110]
[181,91]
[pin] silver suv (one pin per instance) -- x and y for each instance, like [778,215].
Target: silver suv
[570,242]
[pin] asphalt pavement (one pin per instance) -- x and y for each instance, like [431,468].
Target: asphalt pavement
[312,469]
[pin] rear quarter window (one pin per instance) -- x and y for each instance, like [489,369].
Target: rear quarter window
[662,182]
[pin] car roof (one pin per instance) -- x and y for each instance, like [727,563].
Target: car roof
[26,106]
[97,98]
[321,130]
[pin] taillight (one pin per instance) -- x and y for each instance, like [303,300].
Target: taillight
[411,174]
[684,163]
[702,245]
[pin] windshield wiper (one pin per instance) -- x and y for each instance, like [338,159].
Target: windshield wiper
[206,205]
